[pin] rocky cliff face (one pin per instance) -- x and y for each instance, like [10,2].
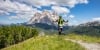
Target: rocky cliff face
[45,17]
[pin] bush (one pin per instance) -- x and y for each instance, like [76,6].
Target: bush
[13,34]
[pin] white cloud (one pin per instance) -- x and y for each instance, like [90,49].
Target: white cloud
[69,3]
[96,19]
[37,2]
[4,12]
[74,22]
[56,4]
[71,16]
[60,10]
[18,5]
[24,15]
[24,10]
[9,6]
[14,17]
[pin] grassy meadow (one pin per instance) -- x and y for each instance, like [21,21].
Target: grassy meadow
[46,43]
[85,38]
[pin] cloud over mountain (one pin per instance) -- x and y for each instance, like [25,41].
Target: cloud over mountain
[26,8]
[60,10]
[96,19]
[69,3]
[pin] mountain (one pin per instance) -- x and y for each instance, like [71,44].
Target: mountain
[90,28]
[45,18]
[92,23]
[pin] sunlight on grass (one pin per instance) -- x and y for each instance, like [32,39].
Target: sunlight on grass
[46,43]
[86,38]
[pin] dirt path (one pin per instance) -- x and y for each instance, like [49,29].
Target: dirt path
[88,46]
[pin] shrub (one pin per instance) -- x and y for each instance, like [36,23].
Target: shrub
[13,34]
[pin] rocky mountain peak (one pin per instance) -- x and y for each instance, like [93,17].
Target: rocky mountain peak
[45,17]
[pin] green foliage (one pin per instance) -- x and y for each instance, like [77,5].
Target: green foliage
[13,34]
[53,42]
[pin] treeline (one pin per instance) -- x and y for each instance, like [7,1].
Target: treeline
[87,30]
[13,34]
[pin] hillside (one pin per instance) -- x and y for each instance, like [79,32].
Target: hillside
[89,28]
[13,34]
[46,43]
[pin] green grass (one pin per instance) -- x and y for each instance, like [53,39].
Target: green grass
[86,38]
[46,43]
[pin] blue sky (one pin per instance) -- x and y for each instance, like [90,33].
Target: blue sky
[19,11]
[87,12]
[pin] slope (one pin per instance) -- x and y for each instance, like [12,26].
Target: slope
[46,43]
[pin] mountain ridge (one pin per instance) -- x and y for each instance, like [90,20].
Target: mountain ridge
[45,17]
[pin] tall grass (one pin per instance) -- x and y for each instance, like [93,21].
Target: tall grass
[86,38]
[46,43]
